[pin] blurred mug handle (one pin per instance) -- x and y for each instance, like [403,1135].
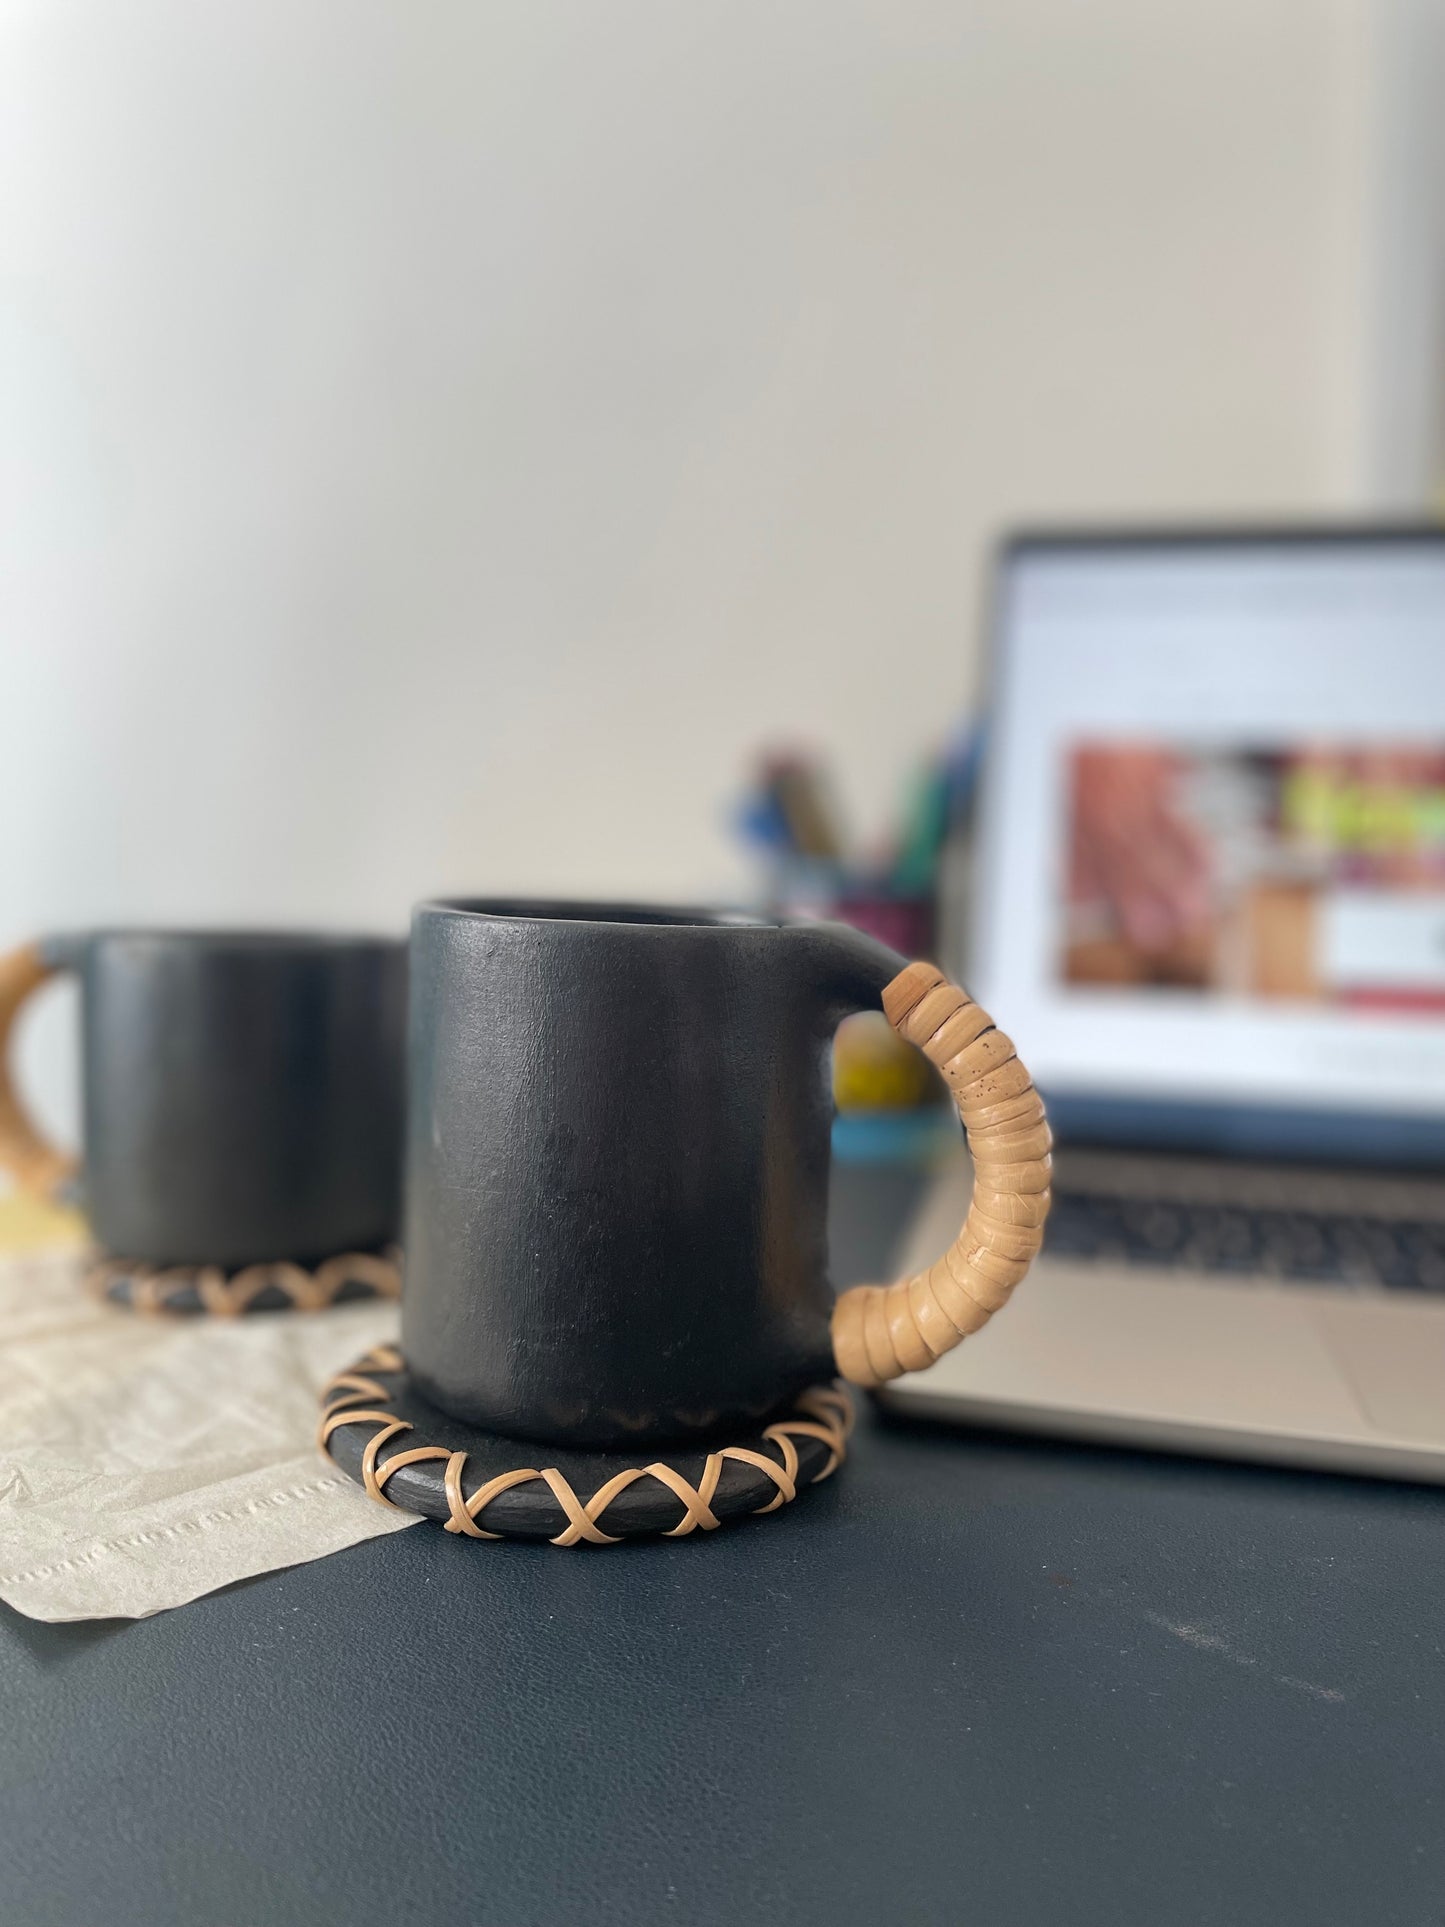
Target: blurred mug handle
[37,1166]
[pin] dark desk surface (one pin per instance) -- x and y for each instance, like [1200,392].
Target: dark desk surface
[970,1679]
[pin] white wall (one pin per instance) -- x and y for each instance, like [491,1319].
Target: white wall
[1405,257]
[447,437]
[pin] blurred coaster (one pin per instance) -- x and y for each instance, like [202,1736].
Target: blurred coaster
[211,1291]
[480,1484]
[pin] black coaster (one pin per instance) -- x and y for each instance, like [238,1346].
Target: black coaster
[383,1434]
[210,1290]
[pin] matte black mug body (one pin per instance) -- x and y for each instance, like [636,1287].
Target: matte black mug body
[242,1094]
[617,1164]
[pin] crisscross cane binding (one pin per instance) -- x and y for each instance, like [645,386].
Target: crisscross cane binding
[354,1398]
[163,1289]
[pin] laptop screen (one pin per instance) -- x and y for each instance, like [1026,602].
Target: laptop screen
[1212,870]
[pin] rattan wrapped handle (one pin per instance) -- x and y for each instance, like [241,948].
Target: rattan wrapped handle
[882,1331]
[35,1164]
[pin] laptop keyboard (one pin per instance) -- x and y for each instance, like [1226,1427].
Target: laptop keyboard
[1309,1247]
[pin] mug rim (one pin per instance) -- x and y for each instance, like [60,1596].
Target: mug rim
[596,914]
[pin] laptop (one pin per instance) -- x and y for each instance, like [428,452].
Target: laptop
[1209,905]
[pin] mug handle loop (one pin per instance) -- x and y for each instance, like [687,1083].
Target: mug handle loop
[882,1331]
[37,1166]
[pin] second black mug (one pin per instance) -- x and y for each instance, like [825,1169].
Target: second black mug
[242,1093]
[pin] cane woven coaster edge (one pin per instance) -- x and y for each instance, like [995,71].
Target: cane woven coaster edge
[213,1291]
[374,1427]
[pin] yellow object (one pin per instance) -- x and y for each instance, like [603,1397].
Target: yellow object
[874,1070]
[30,1224]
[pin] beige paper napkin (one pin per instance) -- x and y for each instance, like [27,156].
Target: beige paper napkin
[145,1461]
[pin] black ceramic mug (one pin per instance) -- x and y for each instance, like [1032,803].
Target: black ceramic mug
[242,1093]
[617,1166]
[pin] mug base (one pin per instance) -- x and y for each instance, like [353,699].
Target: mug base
[216,1292]
[381,1432]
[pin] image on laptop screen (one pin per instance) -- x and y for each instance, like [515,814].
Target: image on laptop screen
[1214,840]
[1312,871]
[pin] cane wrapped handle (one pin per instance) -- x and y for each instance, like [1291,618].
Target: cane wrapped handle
[36,1165]
[882,1331]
